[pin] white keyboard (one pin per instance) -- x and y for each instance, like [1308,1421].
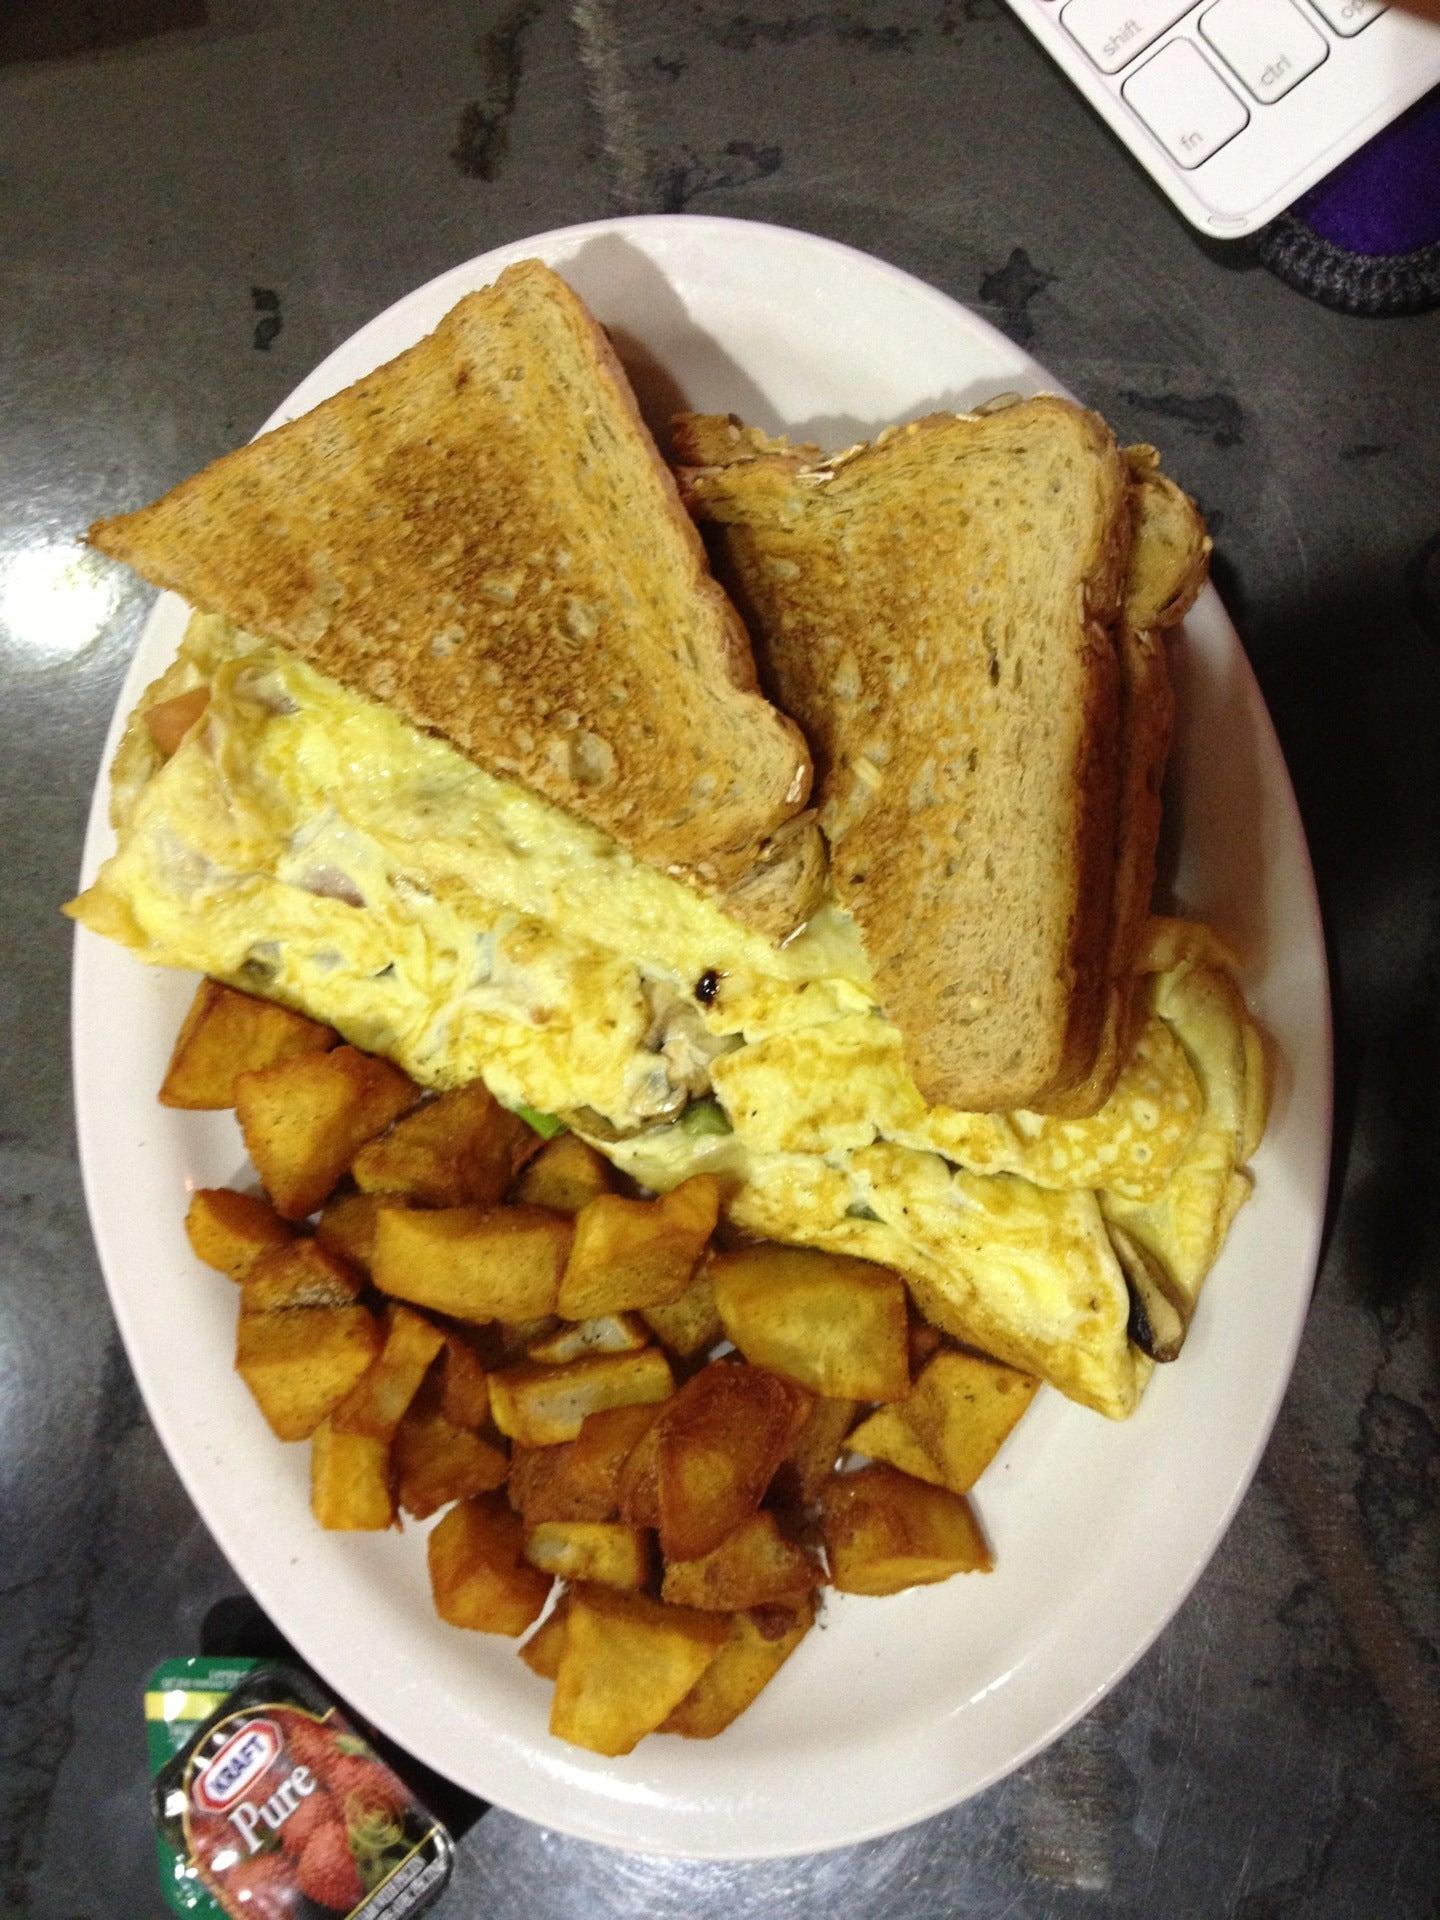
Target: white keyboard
[1235,107]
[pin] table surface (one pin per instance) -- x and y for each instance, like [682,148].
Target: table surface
[200,198]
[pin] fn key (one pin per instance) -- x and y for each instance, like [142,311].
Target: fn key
[1185,103]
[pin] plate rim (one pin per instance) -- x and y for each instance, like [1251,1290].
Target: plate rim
[566,1808]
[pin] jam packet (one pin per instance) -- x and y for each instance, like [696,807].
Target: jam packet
[270,1806]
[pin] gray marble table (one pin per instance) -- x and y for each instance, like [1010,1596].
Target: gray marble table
[198,199]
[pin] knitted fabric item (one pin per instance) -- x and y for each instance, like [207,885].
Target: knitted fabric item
[1367,239]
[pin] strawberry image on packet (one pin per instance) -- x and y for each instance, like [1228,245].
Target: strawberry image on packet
[274,1808]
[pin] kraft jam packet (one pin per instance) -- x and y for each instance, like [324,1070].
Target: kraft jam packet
[270,1806]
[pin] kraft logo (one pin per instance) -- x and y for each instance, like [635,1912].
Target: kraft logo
[238,1765]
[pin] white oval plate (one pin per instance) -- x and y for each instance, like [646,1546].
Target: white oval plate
[901,1707]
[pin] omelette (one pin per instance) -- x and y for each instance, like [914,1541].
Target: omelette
[306,844]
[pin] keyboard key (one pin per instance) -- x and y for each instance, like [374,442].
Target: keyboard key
[1112,32]
[1348,16]
[1268,43]
[1185,103]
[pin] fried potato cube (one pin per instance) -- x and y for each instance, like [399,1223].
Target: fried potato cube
[952,1423]
[601,1551]
[538,1405]
[837,1325]
[637,1253]
[811,1460]
[475,1263]
[755,1566]
[884,1532]
[626,1663]
[720,1440]
[298,1274]
[541,1652]
[227,1033]
[170,720]
[305,1119]
[350,1488]
[377,1404]
[300,1364]
[759,1645]
[565,1174]
[347,1226]
[580,1478]
[461,1149]
[229,1230]
[638,1488]
[478,1575]
[464,1383]
[690,1323]
[611,1333]
[437,1462]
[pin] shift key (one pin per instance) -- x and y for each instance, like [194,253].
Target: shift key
[1113,32]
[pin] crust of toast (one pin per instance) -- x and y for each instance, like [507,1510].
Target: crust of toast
[966,778]
[483,535]
[1169,560]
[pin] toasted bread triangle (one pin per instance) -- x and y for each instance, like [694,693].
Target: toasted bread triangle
[938,611]
[482,535]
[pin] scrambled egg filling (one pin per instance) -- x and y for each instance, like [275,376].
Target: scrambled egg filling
[311,845]
[307,844]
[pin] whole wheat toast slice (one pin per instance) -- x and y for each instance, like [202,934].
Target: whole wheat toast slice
[483,536]
[1169,559]
[937,611]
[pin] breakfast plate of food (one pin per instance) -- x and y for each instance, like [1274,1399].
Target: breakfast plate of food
[701,1035]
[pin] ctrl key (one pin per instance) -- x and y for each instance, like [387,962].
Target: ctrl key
[1185,104]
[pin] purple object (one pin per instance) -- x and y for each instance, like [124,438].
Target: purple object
[1367,239]
[1386,197]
